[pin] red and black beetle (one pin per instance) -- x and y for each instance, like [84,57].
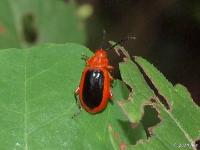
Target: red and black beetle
[94,89]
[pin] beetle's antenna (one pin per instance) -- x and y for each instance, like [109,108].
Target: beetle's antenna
[104,38]
[121,41]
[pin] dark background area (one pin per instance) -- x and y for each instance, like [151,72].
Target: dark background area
[167,34]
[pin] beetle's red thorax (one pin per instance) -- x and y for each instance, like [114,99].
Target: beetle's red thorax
[99,60]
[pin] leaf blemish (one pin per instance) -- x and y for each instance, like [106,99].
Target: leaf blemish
[122,146]
[151,85]
[29,28]
[197,144]
[2,29]
[134,125]
[151,119]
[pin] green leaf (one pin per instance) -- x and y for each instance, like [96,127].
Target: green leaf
[131,132]
[182,108]
[133,107]
[179,126]
[37,102]
[140,95]
[27,22]
[150,119]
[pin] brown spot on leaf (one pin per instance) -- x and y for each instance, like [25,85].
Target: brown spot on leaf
[122,146]
[2,29]
[134,125]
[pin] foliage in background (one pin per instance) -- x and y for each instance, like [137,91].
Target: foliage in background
[27,22]
[178,125]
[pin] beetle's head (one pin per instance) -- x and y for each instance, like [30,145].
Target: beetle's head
[99,59]
[101,53]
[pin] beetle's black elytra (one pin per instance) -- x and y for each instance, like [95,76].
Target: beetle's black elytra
[93,88]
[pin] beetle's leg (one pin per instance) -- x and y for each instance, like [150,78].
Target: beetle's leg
[110,94]
[110,67]
[84,57]
[111,78]
[77,113]
[76,93]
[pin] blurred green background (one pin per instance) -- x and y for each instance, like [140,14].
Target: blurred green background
[167,32]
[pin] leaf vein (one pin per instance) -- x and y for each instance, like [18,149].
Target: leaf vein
[44,70]
[51,120]
[25,104]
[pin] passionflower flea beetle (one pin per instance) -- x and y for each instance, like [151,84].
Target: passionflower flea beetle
[94,89]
